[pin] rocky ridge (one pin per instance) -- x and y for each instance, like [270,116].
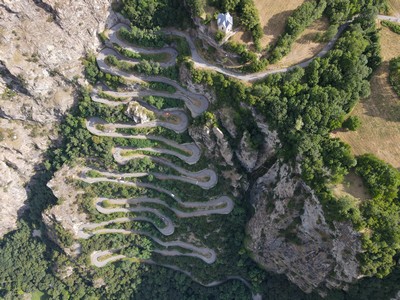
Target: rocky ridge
[289,234]
[41,46]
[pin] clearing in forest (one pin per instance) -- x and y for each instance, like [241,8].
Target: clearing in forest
[380,113]
[353,186]
[306,45]
[273,15]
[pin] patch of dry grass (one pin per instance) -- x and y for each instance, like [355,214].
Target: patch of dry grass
[394,7]
[353,186]
[380,113]
[305,47]
[273,15]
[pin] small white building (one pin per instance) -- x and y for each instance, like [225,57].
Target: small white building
[225,22]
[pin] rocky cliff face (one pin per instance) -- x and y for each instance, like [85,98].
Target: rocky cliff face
[41,43]
[289,234]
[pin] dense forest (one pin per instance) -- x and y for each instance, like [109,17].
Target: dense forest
[304,106]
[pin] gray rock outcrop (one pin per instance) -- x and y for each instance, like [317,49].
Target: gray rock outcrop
[41,46]
[289,233]
[247,154]
[138,113]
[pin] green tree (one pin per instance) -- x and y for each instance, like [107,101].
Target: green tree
[352,123]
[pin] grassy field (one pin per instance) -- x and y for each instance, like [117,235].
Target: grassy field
[305,47]
[273,16]
[380,113]
[394,7]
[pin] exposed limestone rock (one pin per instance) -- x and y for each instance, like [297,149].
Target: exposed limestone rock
[41,43]
[213,141]
[202,136]
[216,147]
[21,148]
[271,139]
[246,154]
[223,145]
[289,233]
[225,115]
[67,213]
[138,113]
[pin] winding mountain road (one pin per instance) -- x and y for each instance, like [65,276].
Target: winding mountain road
[200,102]
[205,178]
[167,230]
[205,254]
[195,107]
[197,104]
[225,202]
[192,150]
[179,120]
[202,208]
[114,39]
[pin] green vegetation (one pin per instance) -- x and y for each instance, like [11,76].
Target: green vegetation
[8,94]
[196,6]
[93,73]
[107,96]
[248,16]
[339,11]
[303,106]
[148,68]
[301,18]
[163,102]
[394,74]
[395,27]
[159,57]
[381,214]
[250,59]
[150,14]
[143,37]
[352,123]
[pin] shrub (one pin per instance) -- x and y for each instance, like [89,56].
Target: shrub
[392,26]
[352,123]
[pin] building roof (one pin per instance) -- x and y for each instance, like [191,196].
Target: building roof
[225,20]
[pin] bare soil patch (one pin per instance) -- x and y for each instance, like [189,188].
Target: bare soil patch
[352,185]
[380,113]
